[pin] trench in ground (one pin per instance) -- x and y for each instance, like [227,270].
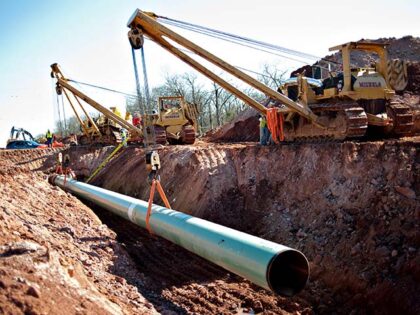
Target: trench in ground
[342,219]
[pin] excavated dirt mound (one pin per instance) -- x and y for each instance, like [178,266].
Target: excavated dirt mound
[413,72]
[31,159]
[351,208]
[244,127]
[405,48]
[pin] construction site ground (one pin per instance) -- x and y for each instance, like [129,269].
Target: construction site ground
[352,208]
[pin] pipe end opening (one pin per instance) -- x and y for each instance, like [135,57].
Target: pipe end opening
[288,273]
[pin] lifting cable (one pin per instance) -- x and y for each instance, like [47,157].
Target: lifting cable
[104,88]
[59,114]
[241,68]
[236,42]
[147,92]
[233,37]
[139,98]
[244,41]
[64,115]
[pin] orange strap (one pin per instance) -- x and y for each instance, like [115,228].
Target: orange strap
[149,207]
[162,195]
[155,184]
[275,124]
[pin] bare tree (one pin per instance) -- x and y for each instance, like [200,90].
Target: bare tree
[216,106]
[72,126]
[272,76]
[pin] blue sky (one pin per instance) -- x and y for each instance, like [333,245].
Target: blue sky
[88,39]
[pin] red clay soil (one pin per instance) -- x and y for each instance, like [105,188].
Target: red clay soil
[244,127]
[413,72]
[183,283]
[405,48]
[56,257]
[352,208]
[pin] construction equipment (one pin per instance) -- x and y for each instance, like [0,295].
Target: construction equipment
[22,139]
[303,120]
[143,23]
[363,94]
[18,133]
[106,129]
[153,166]
[278,268]
[179,119]
[175,121]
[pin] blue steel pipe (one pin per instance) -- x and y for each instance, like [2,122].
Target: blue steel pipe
[272,266]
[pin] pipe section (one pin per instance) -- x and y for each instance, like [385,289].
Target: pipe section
[275,267]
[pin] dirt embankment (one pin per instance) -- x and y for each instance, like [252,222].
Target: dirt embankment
[30,160]
[244,127]
[56,257]
[352,208]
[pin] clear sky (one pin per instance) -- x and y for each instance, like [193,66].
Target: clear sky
[89,40]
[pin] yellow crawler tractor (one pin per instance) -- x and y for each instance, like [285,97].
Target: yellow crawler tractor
[178,118]
[335,109]
[356,97]
[175,122]
[105,129]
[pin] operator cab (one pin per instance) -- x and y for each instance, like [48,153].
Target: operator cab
[169,103]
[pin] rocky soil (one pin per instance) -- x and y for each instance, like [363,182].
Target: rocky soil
[56,256]
[352,208]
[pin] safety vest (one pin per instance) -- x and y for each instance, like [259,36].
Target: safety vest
[48,135]
[263,122]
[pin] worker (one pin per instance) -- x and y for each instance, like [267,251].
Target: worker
[137,119]
[67,170]
[123,133]
[128,117]
[264,132]
[73,139]
[59,164]
[116,111]
[49,137]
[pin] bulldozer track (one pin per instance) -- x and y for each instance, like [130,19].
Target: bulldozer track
[160,135]
[188,134]
[356,121]
[402,117]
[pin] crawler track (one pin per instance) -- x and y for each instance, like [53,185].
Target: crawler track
[188,134]
[403,118]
